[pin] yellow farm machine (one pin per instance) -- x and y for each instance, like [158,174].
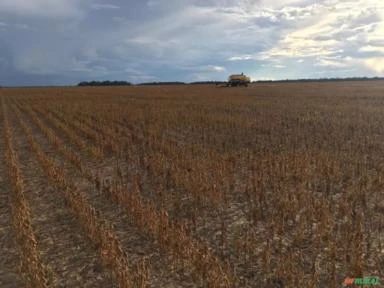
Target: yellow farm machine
[238,80]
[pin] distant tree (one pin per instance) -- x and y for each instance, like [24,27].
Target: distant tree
[125,83]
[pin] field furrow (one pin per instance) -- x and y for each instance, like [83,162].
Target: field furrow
[161,159]
[161,190]
[91,140]
[222,232]
[10,259]
[33,270]
[69,255]
[161,269]
[117,191]
[145,218]
[274,185]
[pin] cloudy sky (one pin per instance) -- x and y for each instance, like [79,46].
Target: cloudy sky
[49,42]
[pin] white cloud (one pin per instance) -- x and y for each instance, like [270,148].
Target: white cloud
[331,63]
[98,6]
[213,68]
[279,66]
[371,48]
[375,64]
[194,34]
[280,3]
[263,78]
[196,38]
[241,58]
[331,37]
[277,33]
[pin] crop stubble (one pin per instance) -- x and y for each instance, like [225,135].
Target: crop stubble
[201,186]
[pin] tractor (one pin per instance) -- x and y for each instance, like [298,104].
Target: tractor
[238,80]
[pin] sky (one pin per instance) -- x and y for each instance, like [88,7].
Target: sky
[63,42]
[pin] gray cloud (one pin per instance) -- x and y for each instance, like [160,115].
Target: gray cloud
[98,6]
[42,8]
[76,40]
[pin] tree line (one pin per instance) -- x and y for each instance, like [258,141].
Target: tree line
[125,83]
[322,80]
[104,83]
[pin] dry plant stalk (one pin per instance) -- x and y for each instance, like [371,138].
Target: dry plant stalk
[295,164]
[33,270]
[111,251]
[194,254]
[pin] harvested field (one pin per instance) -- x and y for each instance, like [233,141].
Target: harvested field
[275,184]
